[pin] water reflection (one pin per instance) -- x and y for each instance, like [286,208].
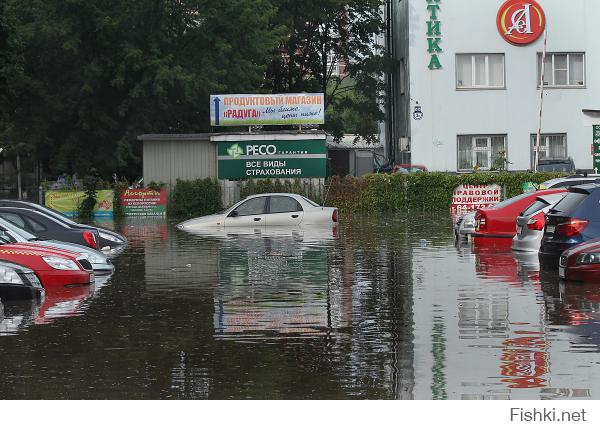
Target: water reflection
[381,307]
[54,304]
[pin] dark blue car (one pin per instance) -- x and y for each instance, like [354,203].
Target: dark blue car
[574,220]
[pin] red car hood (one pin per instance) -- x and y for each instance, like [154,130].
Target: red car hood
[31,255]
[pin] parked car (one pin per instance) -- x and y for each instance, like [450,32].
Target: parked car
[569,181]
[53,267]
[18,281]
[498,221]
[574,220]
[531,222]
[110,242]
[14,234]
[266,210]
[556,165]
[48,228]
[410,168]
[581,262]
[465,226]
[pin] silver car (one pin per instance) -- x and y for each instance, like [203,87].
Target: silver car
[465,226]
[100,263]
[530,224]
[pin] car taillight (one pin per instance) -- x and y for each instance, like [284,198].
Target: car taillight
[480,222]
[334,216]
[90,239]
[537,222]
[572,228]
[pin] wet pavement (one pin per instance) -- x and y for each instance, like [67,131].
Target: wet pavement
[381,307]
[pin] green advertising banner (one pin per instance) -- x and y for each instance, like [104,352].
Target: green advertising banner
[596,143]
[67,202]
[272,159]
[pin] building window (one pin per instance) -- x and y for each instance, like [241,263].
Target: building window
[562,69]
[476,71]
[481,152]
[552,147]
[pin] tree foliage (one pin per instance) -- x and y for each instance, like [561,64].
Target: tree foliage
[82,79]
[320,34]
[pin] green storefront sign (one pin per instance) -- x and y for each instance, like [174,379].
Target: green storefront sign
[262,159]
[596,148]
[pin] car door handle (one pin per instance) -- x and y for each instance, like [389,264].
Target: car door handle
[295,216]
[257,219]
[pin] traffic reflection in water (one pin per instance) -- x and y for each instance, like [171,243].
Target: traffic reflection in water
[379,307]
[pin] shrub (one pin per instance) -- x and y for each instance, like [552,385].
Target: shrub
[195,198]
[420,191]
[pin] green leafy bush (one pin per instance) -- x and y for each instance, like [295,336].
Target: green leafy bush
[262,186]
[195,198]
[420,191]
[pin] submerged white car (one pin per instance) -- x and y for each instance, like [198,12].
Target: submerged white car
[266,210]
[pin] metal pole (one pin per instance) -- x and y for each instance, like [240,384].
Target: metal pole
[539,132]
[19,177]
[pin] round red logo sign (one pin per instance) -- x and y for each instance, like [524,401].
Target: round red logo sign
[521,22]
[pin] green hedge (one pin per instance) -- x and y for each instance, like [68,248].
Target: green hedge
[195,198]
[420,191]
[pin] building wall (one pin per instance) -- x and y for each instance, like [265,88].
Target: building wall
[168,158]
[470,27]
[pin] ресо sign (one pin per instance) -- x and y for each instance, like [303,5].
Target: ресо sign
[272,159]
[267,109]
[468,198]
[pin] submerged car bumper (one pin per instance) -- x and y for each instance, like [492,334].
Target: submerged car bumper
[65,278]
[19,292]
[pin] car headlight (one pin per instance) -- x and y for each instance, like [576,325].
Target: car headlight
[591,258]
[60,263]
[10,276]
[110,237]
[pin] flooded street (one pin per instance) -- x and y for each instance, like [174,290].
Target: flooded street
[381,307]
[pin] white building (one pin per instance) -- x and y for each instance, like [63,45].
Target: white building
[463,93]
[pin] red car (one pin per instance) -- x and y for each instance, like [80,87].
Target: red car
[499,221]
[581,263]
[53,267]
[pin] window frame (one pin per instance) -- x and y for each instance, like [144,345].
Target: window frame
[544,136]
[473,87]
[552,85]
[473,138]
[299,207]
[235,209]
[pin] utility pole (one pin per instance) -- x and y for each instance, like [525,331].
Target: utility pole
[539,132]
[390,134]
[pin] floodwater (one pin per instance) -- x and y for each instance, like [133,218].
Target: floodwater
[380,307]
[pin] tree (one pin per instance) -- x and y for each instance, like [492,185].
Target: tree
[320,34]
[90,76]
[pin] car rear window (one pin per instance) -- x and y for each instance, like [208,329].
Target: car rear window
[571,201]
[536,206]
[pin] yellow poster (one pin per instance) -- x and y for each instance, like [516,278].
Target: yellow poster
[68,202]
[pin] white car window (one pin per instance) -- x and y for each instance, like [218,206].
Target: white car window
[311,202]
[281,204]
[254,206]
